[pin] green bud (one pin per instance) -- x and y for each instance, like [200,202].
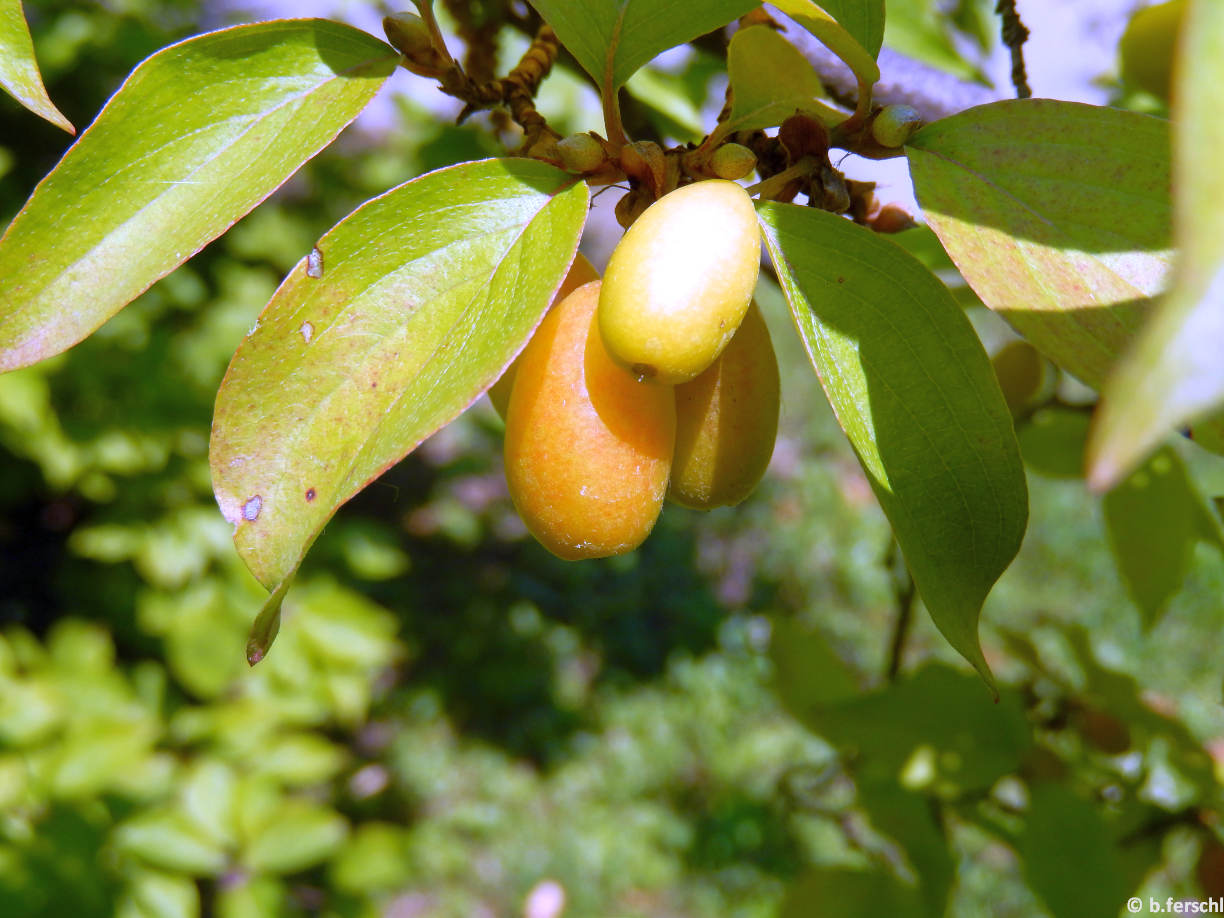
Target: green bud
[894,124]
[732,161]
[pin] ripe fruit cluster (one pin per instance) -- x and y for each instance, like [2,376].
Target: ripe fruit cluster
[660,381]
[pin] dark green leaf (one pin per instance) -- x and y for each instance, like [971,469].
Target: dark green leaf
[807,672]
[914,391]
[935,731]
[1175,373]
[426,294]
[613,38]
[1057,214]
[19,75]
[1071,856]
[910,819]
[199,134]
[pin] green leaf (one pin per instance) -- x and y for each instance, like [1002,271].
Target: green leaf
[770,79]
[150,894]
[298,835]
[935,732]
[808,673]
[426,294]
[1071,856]
[168,839]
[910,819]
[19,74]
[613,38]
[1057,214]
[836,37]
[1154,519]
[198,135]
[915,393]
[1175,373]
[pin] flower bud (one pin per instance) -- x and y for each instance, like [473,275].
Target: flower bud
[894,124]
[581,153]
[410,36]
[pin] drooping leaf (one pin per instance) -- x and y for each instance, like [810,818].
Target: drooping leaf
[770,80]
[1057,214]
[934,731]
[19,75]
[1154,518]
[198,135]
[613,38]
[426,294]
[837,37]
[914,391]
[1175,373]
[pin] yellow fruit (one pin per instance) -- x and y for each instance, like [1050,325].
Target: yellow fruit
[588,448]
[679,282]
[727,421]
[580,272]
[1149,46]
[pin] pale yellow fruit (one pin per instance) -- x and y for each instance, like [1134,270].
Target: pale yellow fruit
[580,272]
[679,282]
[588,449]
[727,421]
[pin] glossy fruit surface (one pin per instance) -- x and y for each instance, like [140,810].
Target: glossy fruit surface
[727,421]
[580,272]
[588,449]
[679,282]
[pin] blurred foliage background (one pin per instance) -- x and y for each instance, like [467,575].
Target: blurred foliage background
[735,720]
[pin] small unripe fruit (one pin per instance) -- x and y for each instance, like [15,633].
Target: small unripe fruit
[1149,44]
[732,161]
[1021,372]
[727,421]
[894,124]
[581,153]
[679,282]
[588,449]
[580,272]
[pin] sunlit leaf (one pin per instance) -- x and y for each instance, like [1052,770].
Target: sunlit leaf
[19,75]
[864,19]
[613,38]
[1058,216]
[297,835]
[199,134]
[915,393]
[836,37]
[1175,373]
[427,293]
[921,29]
